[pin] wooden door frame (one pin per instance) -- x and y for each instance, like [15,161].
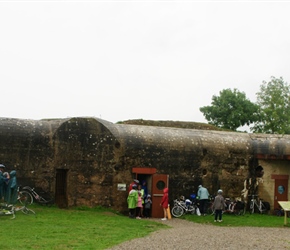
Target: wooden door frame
[277,178]
[157,193]
[152,172]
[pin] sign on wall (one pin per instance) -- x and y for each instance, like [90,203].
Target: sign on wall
[121,187]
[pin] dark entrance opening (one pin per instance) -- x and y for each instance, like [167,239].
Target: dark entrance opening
[61,188]
[155,185]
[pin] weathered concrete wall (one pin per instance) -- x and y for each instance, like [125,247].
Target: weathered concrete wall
[272,167]
[27,147]
[190,157]
[98,155]
[87,149]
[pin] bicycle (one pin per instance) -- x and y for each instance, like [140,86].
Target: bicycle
[280,212]
[235,207]
[181,207]
[23,197]
[258,204]
[9,209]
[27,195]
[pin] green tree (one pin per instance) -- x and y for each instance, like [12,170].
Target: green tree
[274,107]
[230,110]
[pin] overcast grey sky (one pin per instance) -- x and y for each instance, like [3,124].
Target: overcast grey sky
[120,60]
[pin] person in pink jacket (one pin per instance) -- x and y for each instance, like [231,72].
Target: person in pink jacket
[164,203]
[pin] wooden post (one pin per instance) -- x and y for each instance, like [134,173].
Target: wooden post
[168,212]
[286,207]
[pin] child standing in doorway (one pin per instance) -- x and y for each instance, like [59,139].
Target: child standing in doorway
[147,206]
[141,190]
[139,208]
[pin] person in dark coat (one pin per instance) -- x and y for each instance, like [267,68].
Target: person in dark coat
[11,189]
[4,178]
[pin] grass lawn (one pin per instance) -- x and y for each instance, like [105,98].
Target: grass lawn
[96,228]
[78,228]
[250,220]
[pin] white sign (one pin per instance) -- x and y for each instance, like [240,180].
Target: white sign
[121,187]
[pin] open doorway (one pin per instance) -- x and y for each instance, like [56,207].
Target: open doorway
[155,185]
[145,179]
[61,188]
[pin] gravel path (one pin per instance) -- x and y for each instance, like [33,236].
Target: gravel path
[190,235]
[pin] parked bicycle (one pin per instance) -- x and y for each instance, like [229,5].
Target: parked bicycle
[235,207]
[280,212]
[258,205]
[10,196]
[27,196]
[182,206]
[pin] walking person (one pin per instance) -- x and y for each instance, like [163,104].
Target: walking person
[164,203]
[218,206]
[203,199]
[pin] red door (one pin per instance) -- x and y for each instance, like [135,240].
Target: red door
[281,191]
[159,182]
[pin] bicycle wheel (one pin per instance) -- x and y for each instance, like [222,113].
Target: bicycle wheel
[237,212]
[210,210]
[263,209]
[27,211]
[243,211]
[47,201]
[25,198]
[177,211]
[252,208]
[279,212]
[191,209]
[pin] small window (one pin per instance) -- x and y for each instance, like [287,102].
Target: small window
[281,189]
[160,185]
[259,171]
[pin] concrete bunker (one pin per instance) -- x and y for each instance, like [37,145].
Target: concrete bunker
[88,161]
